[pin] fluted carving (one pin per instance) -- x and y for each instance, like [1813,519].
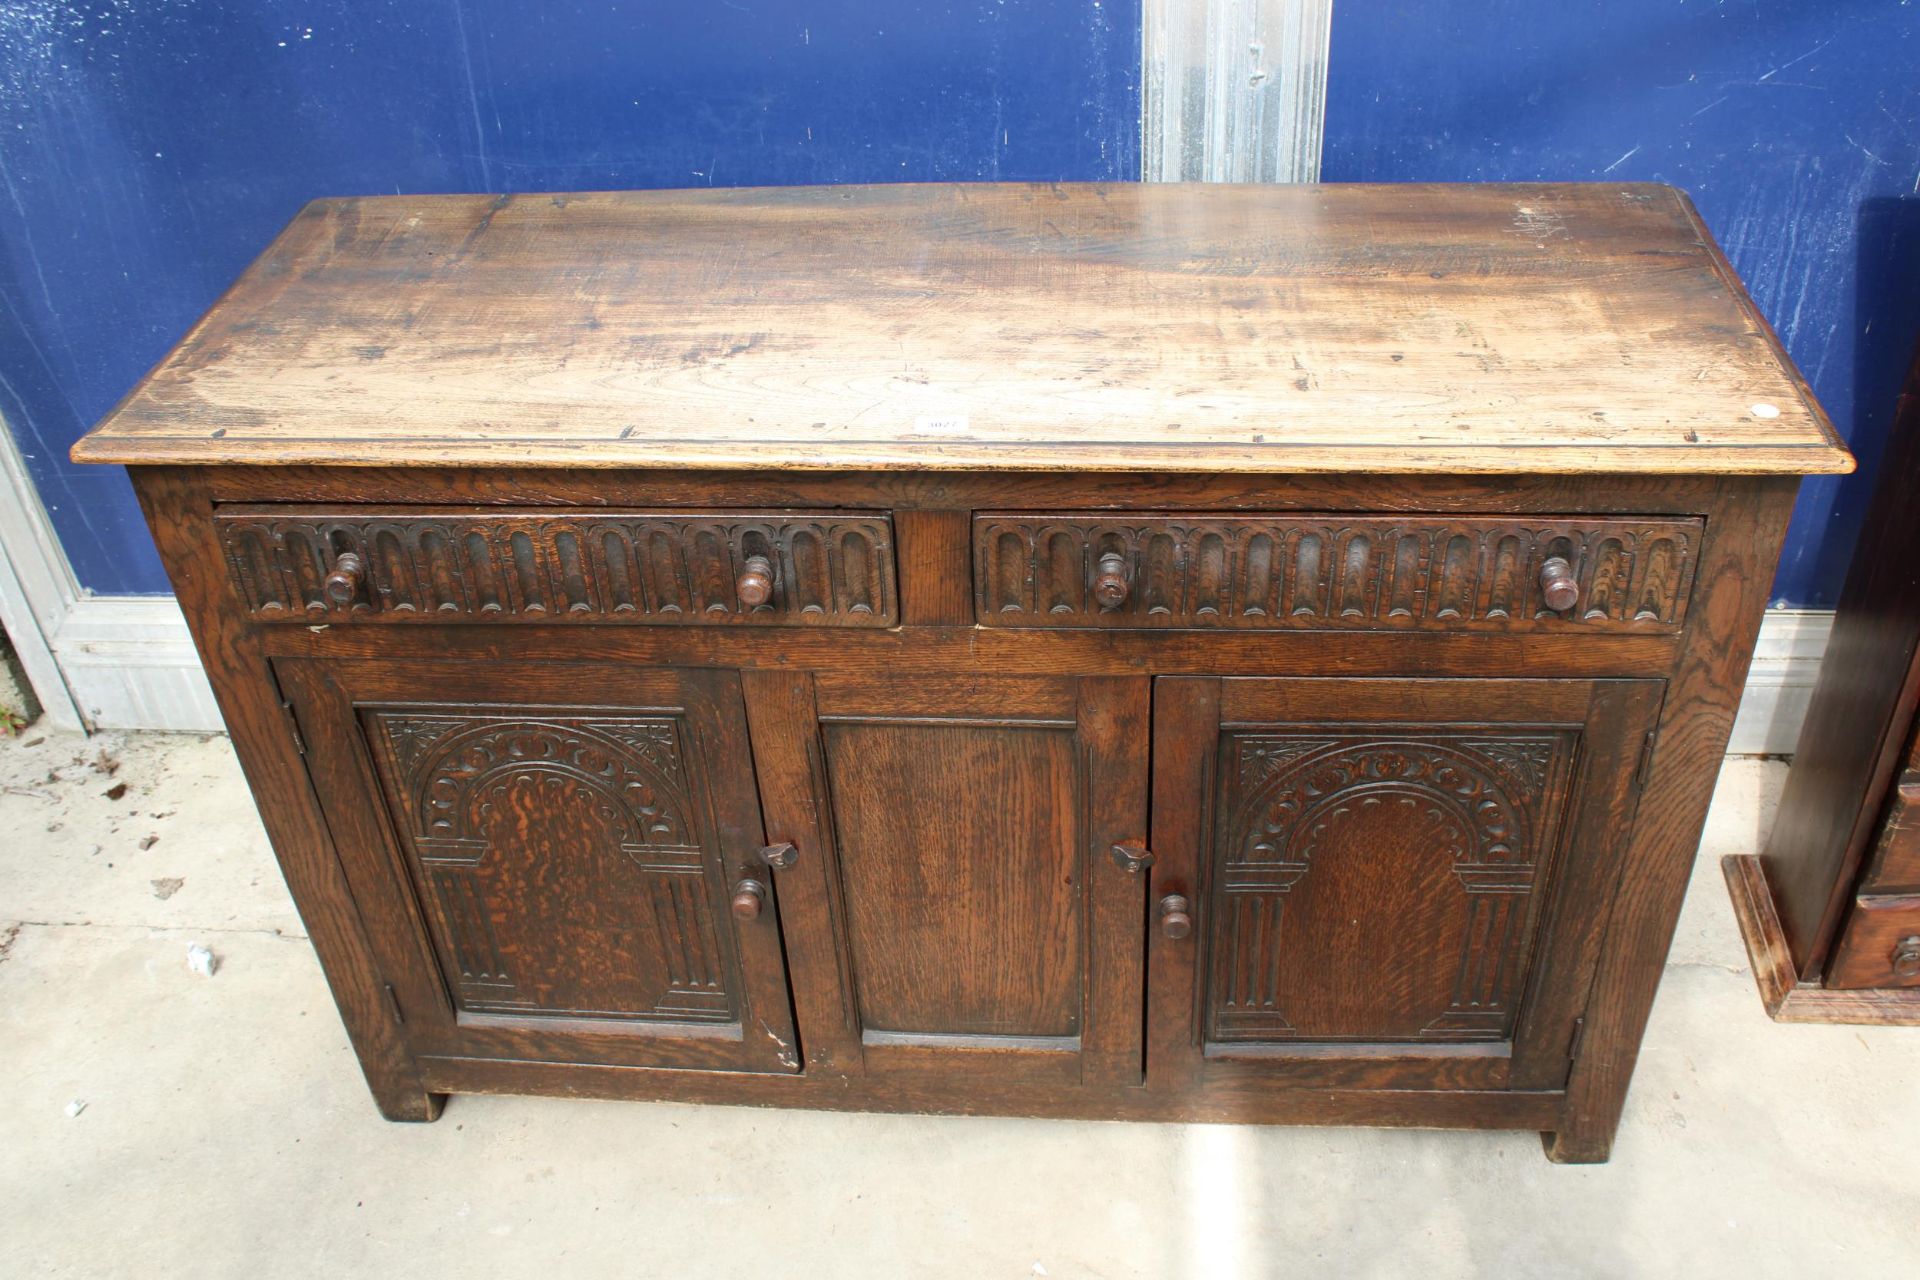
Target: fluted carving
[1332,571]
[831,568]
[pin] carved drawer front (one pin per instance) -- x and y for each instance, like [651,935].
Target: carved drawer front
[1452,573]
[779,568]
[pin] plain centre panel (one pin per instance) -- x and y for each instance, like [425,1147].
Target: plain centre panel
[959,850]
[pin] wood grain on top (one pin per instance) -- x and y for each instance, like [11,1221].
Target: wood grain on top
[1191,328]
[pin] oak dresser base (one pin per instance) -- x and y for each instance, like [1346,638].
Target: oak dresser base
[1205,654]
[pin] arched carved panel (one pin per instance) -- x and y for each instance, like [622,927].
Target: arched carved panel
[1379,884]
[563,861]
[1333,571]
[830,568]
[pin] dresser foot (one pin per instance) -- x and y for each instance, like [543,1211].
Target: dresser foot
[1570,1147]
[410,1106]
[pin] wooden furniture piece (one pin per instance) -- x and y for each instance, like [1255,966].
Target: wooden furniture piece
[1831,910]
[1225,653]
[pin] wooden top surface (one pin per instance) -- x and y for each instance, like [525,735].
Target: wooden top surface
[1567,328]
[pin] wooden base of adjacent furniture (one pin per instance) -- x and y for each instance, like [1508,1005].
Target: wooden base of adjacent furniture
[1786,998]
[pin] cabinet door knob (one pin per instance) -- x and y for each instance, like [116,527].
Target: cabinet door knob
[748,897]
[779,856]
[1111,580]
[1557,584]
[1175,922]
[343,584]
[1906,957]
[754,586]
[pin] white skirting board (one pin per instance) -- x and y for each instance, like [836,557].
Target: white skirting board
[1780,681]
[130,664]
[101,662]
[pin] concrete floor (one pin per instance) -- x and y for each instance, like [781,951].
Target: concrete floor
[226,1131]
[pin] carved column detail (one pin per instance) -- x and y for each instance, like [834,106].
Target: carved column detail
[1364,822]
[473,792]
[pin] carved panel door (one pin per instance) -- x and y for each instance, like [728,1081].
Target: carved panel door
[1384,883]
[956,902]
[544,856]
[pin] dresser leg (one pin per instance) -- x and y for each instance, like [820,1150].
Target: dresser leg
[1568,1146]
[1703,694]
[178,506]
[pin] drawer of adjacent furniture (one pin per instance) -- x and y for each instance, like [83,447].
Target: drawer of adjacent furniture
[359,564]
[1895,864]
[1307,570]
[1880,945]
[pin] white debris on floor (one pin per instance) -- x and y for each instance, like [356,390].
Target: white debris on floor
[1748,1148]
[201,960]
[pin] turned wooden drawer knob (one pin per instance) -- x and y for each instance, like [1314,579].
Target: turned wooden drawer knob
[748,897]
[1557,585]
[343,584]
[1175,922]
[1906,957]
[754,586]
[1111,580]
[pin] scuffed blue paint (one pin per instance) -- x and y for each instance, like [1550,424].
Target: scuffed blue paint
[150,148]
[1795,125]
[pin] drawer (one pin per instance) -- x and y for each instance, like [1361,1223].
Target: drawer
[1311,571]
[423,564]
[1895,864]
[1880,944]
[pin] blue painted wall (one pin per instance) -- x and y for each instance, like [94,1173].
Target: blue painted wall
[1795,124]
[150,148]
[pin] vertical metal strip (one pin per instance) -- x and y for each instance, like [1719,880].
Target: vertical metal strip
[1233,90]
